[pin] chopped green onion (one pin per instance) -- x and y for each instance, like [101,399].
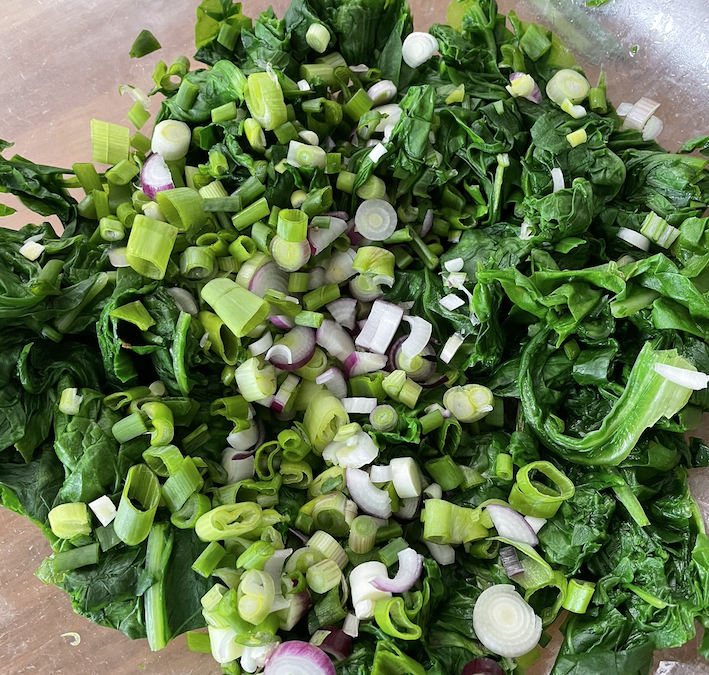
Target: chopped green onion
[298,282]
[308,156]
[317,37]
[70,401]
[69,520]
[135,313]
[209,559]
[328,546]
[578,595]
[228,521]
[320,297]
[88,177]
[129,427]
[323,576]
[503,466]
[198,642]
[468,403]
[238,308]
[181,484]
[251,214]
[658,230]
[161,421]
[159,548]
[139,502]
[75,558]
[384,418]
[255,596]
[110,143]
[255,379]
[346,181]
[309,319]
[389,554]
[264,99]
[445,472]
[533,498]
[567,84]
[292,225]
[194,508]
[254,135]
[146,43]
[250,190]
[182,207]
[149,246]
[163,460]
[390,615]
[122,173]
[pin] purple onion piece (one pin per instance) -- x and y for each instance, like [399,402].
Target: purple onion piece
[483,666]
[337,643]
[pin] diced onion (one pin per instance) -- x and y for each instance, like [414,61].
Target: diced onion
[535,523]
[237,465]
[504,622]
[299,658]
[303,85]
[451,302]
[454,265]
[418,48]
[104,509]
[370,499]
[171,139]
[684,377]
[381,326]
[31,250]
[350,626]
[635,238]
[511,525]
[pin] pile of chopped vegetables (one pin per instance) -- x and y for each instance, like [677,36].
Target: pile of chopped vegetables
[375,356]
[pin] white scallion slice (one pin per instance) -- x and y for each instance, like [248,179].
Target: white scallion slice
[359,405]
[405,476]
[303,155]
[638,116]
[377,152]
[454,265]
[653,128]
[623,109]
[391,114]
[310,137]
[692,379]
[418,48]
[375,219]
[418,338]
[567,84]
[635,238]
[443,554]
[557,178]
[505,623]
[171,139]
[382,92]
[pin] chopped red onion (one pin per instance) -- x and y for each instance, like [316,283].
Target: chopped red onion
[342,215]
[382,324]
[369,498]
[282,354]
[536,95]
[184,300]
[361,363]
[510,561]
[320,239]
[285,393]
[410,568]
[335,382]
[335,340]
[419,337]
[333,641]
[292,615]
[316,278]
[359,405]
[268,277]
[239,466]
[483,666]
[344,311]
[409,508]
[293,350]
[282,321]
[511,525]
[299,658]
[155,176]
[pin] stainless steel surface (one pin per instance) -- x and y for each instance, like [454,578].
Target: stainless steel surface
[62,63]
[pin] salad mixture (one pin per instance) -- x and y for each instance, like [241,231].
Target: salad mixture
[373,352]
